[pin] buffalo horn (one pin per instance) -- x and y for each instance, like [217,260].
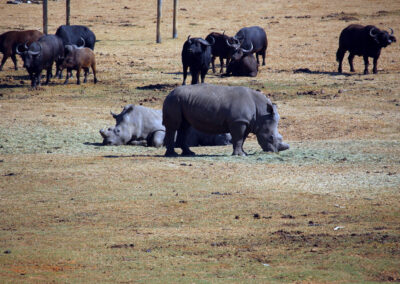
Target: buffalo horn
[204,42]
[35,52]
[83,41]
[235,45]
[391,31]
[247,50]
[371,32]
[189,40]
[213,40]
[17,49]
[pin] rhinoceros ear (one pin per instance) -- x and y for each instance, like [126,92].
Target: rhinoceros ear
[271,109]
[130,108]
[113,114]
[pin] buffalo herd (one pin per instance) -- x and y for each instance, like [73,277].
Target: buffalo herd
[197,115]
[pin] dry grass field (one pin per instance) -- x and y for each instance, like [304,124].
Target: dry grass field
[327,210]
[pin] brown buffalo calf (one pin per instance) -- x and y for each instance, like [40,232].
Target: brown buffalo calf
[77,59]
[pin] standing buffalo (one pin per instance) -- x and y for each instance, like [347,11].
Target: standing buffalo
[220,48]
[76,59]
[243,63]
[221,109]
[366,41]
[41,55]
[253,38]
[73,35]
[10,40]
[196,54]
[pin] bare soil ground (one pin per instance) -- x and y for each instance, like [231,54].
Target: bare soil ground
[327,210]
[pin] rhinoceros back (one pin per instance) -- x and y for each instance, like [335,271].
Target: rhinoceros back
[210,108]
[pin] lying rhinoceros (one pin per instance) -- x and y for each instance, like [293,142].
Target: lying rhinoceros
[139,125]
[220,109]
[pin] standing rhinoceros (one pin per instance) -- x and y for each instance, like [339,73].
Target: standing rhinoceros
[139,125]
[220,109]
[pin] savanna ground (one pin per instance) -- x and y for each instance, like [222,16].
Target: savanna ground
[327,210]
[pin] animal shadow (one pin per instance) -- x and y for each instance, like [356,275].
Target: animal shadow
[160,87]
[308,71]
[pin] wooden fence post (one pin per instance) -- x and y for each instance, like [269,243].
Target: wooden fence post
[45,17]
[159,5]
[68,12]
[174,30]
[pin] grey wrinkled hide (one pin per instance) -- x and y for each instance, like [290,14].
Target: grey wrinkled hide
[221,109]
[138,125]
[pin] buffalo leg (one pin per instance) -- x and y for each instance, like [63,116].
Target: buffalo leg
[195,76]
[239,133]
[86,70]
[203,75]
[375,68]
[213,63]
[339,58]
[262,53]
[78,75]
[350,58]
[14,59]
[221,62]
[94,72]
[3,61]
[67,76]
[185,68]
[48,74]
[169,142]
[33,80]
[366,63]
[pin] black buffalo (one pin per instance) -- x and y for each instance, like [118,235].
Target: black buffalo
[221,48]
[366,41]
[243,64]
[254,38]
[196,54]
[41,55]
[73,35]
[10,40]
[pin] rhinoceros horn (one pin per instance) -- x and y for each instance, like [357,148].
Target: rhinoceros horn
[102,133]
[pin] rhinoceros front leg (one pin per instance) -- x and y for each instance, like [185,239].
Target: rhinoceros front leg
[239,133]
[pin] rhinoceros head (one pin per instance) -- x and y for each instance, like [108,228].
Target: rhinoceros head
[121,133]
[268,136]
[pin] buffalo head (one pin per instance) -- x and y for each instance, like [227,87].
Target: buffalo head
[382,37]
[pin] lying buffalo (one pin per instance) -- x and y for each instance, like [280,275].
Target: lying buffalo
[242,64]
[220,109]
[139,125]
[10,40]
[41,55]
[365,41]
